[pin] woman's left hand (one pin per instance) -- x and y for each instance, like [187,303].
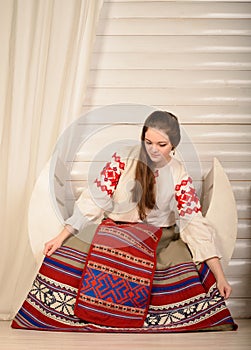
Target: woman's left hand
[221,281]
[224,288]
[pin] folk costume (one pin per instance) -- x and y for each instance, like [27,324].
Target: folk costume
[118,273]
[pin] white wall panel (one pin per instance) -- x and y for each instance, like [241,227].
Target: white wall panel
[239,267]
[172,43]
[182,96]
[192,58]
[242,189]
[171,1]
[237,172]
[148,26]
[244,228]
[176,9]
[219,133]
[188,61]
[170,79]
[225,114]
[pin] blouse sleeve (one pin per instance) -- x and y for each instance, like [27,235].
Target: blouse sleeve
[195,230]
[97,198]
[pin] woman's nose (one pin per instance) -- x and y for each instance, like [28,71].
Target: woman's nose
[154,148]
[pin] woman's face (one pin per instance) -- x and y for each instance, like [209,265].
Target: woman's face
[158,146]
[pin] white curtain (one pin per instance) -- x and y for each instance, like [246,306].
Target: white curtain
[45,54]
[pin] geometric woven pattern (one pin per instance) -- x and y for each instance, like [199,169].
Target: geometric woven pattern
[183,297]
[115,291]
[202,308]
[186,197]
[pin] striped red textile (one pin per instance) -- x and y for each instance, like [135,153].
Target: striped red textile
[117,279]
[183,297]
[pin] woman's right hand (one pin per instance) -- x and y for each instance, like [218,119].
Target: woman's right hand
[55,243]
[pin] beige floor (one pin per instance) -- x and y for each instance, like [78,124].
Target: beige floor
[12,339]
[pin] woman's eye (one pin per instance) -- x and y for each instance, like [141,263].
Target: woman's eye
[163,145]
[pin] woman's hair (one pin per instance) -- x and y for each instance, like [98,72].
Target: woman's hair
[144,190]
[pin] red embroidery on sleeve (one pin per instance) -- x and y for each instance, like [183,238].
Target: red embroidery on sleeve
[118,160]
[110,175]
[186,197]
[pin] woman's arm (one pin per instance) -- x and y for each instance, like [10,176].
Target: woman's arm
[195,230]
[222,284]
[198,233]
[86,209]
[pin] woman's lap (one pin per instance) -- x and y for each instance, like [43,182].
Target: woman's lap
[184,296]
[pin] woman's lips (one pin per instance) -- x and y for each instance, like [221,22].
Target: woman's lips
[155,155]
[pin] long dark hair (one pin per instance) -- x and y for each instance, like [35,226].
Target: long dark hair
[144,190]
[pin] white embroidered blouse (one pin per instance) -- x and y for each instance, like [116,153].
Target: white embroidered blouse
[176,203]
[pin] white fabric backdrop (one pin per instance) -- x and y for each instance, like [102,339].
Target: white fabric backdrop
[45,55]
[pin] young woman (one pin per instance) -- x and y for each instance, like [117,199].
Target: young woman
[152,265]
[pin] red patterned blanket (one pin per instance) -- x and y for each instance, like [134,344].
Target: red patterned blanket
[116,283]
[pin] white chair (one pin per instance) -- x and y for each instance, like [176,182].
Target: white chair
[219,207]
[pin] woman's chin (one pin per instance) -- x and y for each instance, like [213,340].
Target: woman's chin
[159,162]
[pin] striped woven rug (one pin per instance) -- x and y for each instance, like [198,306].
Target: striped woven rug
[182,297]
